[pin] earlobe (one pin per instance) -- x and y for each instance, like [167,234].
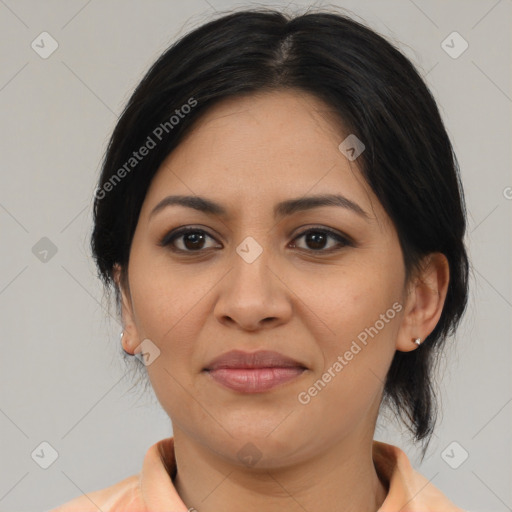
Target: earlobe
[424,303]
[122,340]
[129,337]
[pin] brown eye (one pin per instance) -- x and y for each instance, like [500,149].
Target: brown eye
[317,239]
[189,240]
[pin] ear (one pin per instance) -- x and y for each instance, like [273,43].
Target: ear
[130,338]
[424,302]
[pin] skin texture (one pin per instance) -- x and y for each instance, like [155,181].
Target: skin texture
[249,153]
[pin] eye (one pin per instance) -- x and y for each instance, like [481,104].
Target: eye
[192,239]
[317,239]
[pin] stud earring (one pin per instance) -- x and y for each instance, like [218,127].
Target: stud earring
[417,341]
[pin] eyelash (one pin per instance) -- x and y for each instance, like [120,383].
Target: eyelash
[169,238]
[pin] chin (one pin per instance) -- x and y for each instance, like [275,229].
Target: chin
[257,450]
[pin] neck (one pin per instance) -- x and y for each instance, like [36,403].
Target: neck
[342,478]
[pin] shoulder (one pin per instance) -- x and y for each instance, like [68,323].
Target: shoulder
[408,489]
[125,496]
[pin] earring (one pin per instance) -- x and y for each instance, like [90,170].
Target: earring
[417,341]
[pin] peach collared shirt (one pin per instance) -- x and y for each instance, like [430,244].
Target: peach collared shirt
[152,490]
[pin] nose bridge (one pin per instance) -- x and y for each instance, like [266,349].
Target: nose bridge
[252,292]
[252,260]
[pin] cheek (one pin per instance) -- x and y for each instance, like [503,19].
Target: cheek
[163,292]
[348,300]
[166,312]
[163,303]
[362,308]
[364,314]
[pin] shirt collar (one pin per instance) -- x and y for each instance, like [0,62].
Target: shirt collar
[407,489]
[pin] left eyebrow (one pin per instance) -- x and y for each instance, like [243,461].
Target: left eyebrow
[282,209]
[291,206]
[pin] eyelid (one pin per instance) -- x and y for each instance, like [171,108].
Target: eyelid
[330,231]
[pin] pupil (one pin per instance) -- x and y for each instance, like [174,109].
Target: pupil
[318,240]
[192,239]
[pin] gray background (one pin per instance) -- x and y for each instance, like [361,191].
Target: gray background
[61,374]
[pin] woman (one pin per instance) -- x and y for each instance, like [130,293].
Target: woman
[281,217]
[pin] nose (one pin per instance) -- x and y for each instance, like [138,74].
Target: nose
[253,295]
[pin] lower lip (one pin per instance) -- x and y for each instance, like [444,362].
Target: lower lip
[254,380]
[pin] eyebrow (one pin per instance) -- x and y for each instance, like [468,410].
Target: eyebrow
[282,209]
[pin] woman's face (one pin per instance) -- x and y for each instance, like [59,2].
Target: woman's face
[248,279]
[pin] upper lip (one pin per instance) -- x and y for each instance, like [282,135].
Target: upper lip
[259,359]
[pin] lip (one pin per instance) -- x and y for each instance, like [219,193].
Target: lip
[258,359]
[253,372]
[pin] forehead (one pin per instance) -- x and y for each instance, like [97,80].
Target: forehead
[282,125]
[260,149]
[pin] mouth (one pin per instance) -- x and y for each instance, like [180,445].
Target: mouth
[253,372]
